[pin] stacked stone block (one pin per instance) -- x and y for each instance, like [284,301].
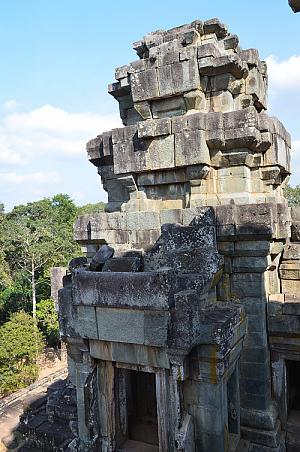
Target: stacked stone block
[196,131]
[200,289]
[156,318]
[50,423]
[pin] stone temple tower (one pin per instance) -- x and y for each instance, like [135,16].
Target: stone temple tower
[182,322]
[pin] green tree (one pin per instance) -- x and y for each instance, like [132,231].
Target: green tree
[48,320]
[5,278]
[18,352]
[91,208]
[33,238]
[292,194]
[15,298]
[38,236]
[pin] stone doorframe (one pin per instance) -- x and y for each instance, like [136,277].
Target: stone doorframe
[111,392]
[279,379]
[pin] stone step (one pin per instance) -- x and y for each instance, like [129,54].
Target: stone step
[293,422]
[136,446]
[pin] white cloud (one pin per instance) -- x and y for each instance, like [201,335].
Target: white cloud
[78,196]
[49,130]
[10,104]
[295,162]
[7,155]
[42,152]
[39,177]
[284,101]
[296,148]
[284,74]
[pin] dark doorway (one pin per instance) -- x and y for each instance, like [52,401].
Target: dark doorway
[293,405]
[142,408]
[293,385]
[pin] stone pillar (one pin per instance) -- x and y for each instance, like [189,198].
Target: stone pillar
[252,245]
[85,404]
[57,274]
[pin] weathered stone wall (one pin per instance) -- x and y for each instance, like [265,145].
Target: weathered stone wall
[189,274]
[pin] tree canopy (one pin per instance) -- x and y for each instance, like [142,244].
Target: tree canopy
[33,238]
[292,194]
[18,352]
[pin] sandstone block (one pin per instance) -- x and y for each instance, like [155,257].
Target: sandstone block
[168,107]
[86,324]
[215,139]
[247,117]
[250,56]
[179,123]
[231,184]
[247,264]
[295,5]
[144,85]
[295,231]
[191,148]
[290,269]
[143,109]
[196,121]
[290,286]
[246,137]
[156,325]
[171,216]
[231,42]
[225,64]
[154,128]
[267,439]
[142,221]
[222,101]
[291,251]
[168,54]
[160,153]
[77,262]
[123,264]
[255,86]
[198,216]
[141,289]
[120,325]
[247,285]
[188,53]
[93,148]
[178,77]
[207,261]
[215,26]
[226,232]
[295,213]
[101,256]
[176,236]
[284,325]
[208,50]
[291,306]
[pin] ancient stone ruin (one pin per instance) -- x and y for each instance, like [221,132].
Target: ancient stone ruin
[182,322]
[295,5]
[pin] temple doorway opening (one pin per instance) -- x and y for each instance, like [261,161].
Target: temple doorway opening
[293,396]
[142,409]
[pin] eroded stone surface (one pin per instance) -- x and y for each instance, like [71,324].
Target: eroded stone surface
[203,282]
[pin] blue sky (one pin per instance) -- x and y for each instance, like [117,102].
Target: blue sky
[57,58]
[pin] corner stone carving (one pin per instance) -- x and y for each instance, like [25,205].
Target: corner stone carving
[186,314]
